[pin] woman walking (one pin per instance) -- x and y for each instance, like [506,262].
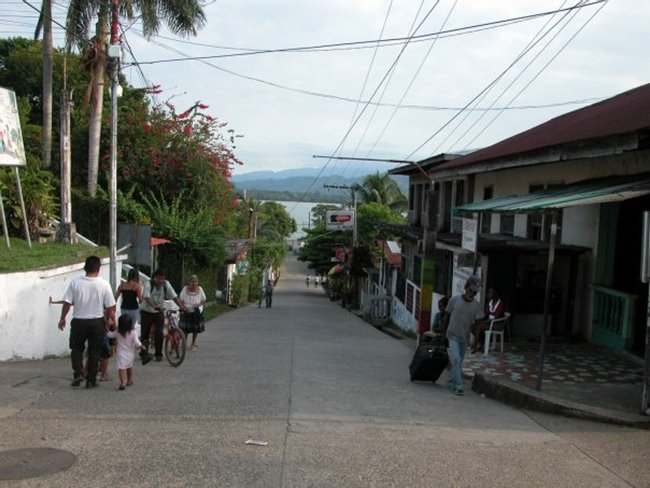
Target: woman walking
[131,292]
[193,298]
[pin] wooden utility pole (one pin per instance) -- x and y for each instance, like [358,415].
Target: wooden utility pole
[428,260]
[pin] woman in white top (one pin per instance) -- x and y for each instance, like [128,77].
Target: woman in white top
[193,298]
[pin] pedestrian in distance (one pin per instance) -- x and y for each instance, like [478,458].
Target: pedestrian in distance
[437,325]
[461,313]
[152,309]
[268,293]
[127,343]
[93,305]
[307,281]
[193,299]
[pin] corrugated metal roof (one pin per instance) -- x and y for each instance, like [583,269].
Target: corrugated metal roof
[621,114]
[588,192]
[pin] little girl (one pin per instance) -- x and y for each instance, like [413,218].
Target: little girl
[127,342]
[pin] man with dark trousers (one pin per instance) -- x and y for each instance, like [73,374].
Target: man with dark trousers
[93,309]
[152,310]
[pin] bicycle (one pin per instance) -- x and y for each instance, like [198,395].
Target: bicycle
[175,343]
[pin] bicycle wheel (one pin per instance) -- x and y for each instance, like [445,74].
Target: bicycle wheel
[175,344]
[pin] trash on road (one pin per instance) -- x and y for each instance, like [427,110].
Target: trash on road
[253,442]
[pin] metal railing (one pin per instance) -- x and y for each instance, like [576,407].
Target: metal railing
[613,319]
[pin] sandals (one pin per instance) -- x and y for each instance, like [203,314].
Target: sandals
[104,378]
[194,347]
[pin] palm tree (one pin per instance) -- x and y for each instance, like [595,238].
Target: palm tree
[182,17]
[380,188]
[45,24]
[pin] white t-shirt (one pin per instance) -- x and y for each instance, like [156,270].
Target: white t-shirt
[89,296]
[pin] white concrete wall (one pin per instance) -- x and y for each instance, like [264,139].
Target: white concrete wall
[28,323]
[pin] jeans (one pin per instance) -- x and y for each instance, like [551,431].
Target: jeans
[457,352]
[92,331]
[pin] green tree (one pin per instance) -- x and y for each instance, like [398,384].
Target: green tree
[368,215]
[181,17]
[380,188]
[319,212]
[274,222]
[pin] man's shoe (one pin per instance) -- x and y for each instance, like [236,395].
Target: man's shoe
[459,392]
[158,359]
[146,359]
[90,384]
[76,381]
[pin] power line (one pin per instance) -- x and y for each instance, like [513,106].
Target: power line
[371,43]
[476,97]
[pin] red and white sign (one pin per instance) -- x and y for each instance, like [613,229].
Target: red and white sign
[340,220]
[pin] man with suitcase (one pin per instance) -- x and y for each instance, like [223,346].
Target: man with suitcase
[461,313]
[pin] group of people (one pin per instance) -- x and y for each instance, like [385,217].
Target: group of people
[94,323]
[318,280]
[459,318]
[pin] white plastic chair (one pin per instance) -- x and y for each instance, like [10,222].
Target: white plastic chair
[497,328]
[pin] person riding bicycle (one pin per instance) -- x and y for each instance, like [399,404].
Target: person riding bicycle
[156,291]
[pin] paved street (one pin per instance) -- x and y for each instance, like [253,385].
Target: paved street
[331,396]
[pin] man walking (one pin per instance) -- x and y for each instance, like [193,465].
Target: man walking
[461,313]
[268,293]
[94,308]
[152,310]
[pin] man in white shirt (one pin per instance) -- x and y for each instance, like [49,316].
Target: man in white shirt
[93,308]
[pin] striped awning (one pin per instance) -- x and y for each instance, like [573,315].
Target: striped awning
[588,192]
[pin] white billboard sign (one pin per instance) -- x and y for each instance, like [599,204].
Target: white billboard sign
[470,234]
[12,150]
[340,220]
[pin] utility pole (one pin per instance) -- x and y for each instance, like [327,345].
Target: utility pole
[428,261]
[47,82]
[114,55]
[66,231]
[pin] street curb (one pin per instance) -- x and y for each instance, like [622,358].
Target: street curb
[525,398]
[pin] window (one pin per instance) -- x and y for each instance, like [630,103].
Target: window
[539,225]
[507,225]
[486,218]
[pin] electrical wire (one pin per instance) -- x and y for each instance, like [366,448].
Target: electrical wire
[540,71]
[476,97]
[539,35]
[367,43]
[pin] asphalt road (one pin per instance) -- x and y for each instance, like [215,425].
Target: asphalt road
[331,396]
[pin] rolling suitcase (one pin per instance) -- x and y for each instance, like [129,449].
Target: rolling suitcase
[430,359]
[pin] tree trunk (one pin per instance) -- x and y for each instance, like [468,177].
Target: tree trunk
[97,77]
[47,83]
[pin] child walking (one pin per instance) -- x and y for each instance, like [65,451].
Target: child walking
[127,342]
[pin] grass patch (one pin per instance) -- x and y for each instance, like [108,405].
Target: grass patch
[214,309]
[50,254]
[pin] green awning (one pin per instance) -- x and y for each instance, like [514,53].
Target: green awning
[588,192]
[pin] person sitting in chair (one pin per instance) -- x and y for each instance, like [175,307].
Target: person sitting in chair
[495,309]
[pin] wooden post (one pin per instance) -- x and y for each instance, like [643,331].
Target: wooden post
[547,299]
[428,262]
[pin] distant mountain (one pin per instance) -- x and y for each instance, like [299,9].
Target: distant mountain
[301,180]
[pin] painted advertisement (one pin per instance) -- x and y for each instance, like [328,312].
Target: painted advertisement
[12,150]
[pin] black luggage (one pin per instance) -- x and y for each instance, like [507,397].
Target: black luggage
[430,359]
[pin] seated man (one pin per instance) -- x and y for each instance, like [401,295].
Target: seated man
[495,309]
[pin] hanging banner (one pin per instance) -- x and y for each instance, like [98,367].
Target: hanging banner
[470,234]
[12,150]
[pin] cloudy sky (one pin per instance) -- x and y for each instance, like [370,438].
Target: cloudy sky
[490,73]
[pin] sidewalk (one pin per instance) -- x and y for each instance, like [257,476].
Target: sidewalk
[579,380]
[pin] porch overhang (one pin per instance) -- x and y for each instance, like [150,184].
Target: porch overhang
[587,192]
